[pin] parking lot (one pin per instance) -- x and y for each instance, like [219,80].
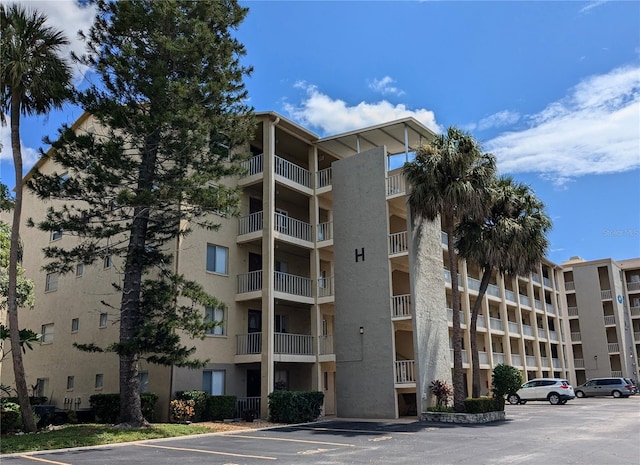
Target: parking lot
[584,431]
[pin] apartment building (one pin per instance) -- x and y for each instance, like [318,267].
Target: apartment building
[328,284]
[603,307]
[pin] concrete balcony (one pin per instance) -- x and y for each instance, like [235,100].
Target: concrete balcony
[326,344]
[524,300]
[498,357]
[398,243]
[527,330]
[572,311]
[576,337]
[510,296]
[326,287]
[531,361]
[514,328]
[294,175]
[401,306]
[606,294]
[293,229]
[633,286]
[323,178]
[613,348]
[396,185]
[283,343]
[609,320]
[405,372]
[516,360]
[325,232]
[569,286]
[578,362]
[635,311]
[496,324]
[250,227]
[297,288]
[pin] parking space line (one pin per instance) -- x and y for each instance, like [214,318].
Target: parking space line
[38,459]
[185,449]
[343,430]
[265,438]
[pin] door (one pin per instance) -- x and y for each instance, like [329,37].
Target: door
[253,383]
[329,389]
[255,264]
[254,328]
[255,205]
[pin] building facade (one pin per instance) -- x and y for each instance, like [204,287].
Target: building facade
[603,307]
[329,285]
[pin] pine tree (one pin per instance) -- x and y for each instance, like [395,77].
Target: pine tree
[171,119]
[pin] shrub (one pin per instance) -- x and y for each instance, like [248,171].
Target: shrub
[220,407]
[199,399]
[10,417]
[484,404]
[107,406]
[33,400]
[295,406]
[442,391]
[505,380]
[440,409]
[182,411]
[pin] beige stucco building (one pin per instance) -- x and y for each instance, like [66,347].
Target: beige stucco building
[328,284]
[603,304]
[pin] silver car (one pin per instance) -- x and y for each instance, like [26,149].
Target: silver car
[616,387]
[555,390]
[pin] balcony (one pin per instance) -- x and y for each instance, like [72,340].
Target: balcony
[636,336]
[325,232]
[283,343]
[544,361]
[396,185]
[514,328]
[250,282]
[450,316]
[576,337]
[496,324]
[250,224]
[248,344]
[535,277]
[578,362]
[541,333]
[283,282]
[609,320]
[326,287]
[292,172]
[254,166]
[323,178]
[493,290]
[516,359]
[616,373]
[498,357]
[553,335]
[531,361]
[465,359]
[569,286]
[572,311]
[613,347]
[398,243]
[510,295]
[606,294]
[245,404]
[481,323]
[546,281]
[473,284]
[527,330]
[292,227]
[633,286]
[524,300]
[556,363]
[537,304]
[483,358]
[401,306]
[549,308]
[447,277]
[326,344]
[405,372]
[635,311]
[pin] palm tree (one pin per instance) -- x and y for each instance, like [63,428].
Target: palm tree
[449,179]
[34,79]
[510,239]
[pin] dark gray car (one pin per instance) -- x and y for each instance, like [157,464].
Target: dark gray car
[616,387]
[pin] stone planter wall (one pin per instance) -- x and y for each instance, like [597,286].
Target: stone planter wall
[465,418]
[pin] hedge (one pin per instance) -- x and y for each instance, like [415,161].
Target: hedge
[484,404]
[10,417]
[220,407]
[295,406]
[107,406]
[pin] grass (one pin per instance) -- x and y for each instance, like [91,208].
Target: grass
[92,435]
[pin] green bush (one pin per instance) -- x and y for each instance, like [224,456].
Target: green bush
[220,407]
[107,406]
[295,406]
[505,380]
[37,400]
[10,417]
[199,399]
[484,404]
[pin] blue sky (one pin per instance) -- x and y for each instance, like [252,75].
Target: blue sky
[551,88]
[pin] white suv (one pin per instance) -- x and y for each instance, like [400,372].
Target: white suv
[556,390]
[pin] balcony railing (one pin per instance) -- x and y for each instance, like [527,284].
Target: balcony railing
[498,357]
[326,344]
[635,311]
[450,316]
[516,359]
[514,328]
[247,344]
[572,311]
[405,371]
[443,238]
[396,184]
[556,362]
[401,305]
[524,300]
[549,308]
[569,286]
[576,337]
[510,295]
[447,277]
[496,324]
[527,330]
[535,277]
[473,284]
[292,344]
[493,290]
[636,336]
[541,333]
[292,227]
[326,286]
[633,286]
[483,358]
[606,294]
[481,323]
[537,304]
[578,362]
[292,172]
[251,223]
[250,282]
[325,231]
[253,165]
[292,284]
[546,281]
[544,361]
[398,243]
[553,335]
[616,373]
[464,356]
[531,361]
[609,320]
[613,347]
[323,178]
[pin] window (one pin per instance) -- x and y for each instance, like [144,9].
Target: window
[217,259]
[144,381]
[217,315]
[47,334]
[51,283]
[213,382]
[75,324]
[55,235]
[70,383]
[41,387]
[107,262]
[104,317]
[99,381]
[281,324]
[79,270]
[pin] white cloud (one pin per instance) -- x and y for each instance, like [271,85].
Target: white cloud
[384,86]
[29,155]
[333,116]
[500,119]
[69,17]
[595,129]
[591,6]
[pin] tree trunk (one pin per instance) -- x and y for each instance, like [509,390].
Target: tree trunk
[475,360]
[28,422]
[130,317]
[458,373]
